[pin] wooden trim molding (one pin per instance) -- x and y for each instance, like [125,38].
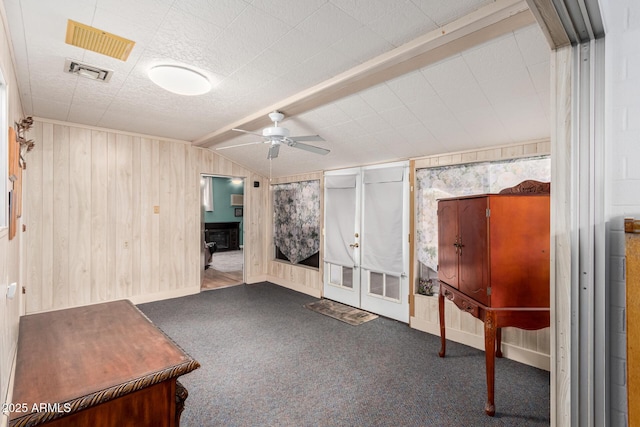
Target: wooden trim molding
[528,186]
[550,23]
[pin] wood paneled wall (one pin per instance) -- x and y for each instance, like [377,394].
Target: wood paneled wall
[10,309]
[530,347]
[92,233]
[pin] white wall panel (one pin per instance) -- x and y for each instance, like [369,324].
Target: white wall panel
[622,19]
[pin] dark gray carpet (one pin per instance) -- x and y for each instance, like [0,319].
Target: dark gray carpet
[268,361]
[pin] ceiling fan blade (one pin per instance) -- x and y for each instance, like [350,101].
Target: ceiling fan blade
[273,151]
[307,147]
[240,145]
[247,131]
[307,138]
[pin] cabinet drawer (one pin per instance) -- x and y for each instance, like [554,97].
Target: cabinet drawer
[463,302]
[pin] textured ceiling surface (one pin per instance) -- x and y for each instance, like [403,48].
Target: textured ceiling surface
[259,52]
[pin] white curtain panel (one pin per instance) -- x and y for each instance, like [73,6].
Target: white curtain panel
[340,195]
[382,237]
[207,193]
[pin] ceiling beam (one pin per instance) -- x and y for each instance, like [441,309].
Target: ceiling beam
[550,23]
[487,23]
[566,22]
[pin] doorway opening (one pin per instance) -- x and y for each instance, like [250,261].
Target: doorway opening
[222,231]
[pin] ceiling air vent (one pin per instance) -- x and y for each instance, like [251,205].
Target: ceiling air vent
[85,70]
[96,40]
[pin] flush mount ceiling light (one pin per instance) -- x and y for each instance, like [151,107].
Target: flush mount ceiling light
[180,80]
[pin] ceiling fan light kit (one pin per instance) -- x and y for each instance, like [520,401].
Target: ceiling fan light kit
[277,135]
[275,131]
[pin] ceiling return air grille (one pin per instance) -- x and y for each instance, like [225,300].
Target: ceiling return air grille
[99,41]
[85,70]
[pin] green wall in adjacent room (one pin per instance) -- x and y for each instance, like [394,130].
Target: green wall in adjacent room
[223,188]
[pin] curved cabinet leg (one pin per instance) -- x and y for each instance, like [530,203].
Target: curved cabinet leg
[490,350]
[443,339]
[498,342]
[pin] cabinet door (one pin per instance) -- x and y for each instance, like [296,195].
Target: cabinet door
[473,253]
[447,237]
[520,250]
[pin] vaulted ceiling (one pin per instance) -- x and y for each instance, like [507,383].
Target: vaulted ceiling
[379,80]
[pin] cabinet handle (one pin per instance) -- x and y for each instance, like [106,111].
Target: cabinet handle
[459,247]
[354,245]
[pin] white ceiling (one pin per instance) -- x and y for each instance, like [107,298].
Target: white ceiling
[262,52]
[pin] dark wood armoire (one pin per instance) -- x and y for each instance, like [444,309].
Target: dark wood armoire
[494,263]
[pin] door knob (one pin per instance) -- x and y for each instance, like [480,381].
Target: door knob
[354,245]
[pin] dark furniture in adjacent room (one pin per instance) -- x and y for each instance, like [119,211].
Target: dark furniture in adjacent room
[98,365]
[494,263]
[226,235]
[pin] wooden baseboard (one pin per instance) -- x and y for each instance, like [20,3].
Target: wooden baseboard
[256,279]
[158,296]
[317,293]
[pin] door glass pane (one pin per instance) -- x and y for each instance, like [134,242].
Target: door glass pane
[376,283]
[392,289]
[347,277]
[335,274]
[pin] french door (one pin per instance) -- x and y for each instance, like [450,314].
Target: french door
[366,256]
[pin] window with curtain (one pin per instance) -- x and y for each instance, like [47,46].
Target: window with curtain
[207,193]
[465,180]
[296,222]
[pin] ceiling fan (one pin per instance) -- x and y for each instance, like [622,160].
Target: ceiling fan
[277,135]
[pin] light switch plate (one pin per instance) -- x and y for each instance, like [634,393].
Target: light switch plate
[11,290]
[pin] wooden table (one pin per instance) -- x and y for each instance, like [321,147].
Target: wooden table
[99,365]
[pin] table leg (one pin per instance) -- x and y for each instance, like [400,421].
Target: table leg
[498,342]
[443,339]
[490,350]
